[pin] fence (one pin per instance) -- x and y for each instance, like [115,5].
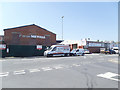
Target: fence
[22,51]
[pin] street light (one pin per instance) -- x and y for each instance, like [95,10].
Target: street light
[62,27]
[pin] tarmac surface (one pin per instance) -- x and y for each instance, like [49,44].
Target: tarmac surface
[89,71]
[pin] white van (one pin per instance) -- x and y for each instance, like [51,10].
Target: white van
[57,50]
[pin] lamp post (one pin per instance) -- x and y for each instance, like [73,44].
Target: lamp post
[62,27]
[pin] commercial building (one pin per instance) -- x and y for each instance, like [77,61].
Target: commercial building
[29,35]
[92,46]
[29,40]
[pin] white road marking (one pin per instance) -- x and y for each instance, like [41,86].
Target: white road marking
[109,75]
[19,72]
[4,74]
[76,65]
[115,61]
[58,67]
[46,68]
[112,55]
[34,70]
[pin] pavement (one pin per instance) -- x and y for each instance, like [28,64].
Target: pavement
[89,71]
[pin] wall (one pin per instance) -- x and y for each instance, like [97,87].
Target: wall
[13,38]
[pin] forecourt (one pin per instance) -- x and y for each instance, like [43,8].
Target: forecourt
[89,71]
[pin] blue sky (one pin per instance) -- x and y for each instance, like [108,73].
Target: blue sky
[95,20]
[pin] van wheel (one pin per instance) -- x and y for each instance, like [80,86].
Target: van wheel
[66,54]
[83,54]
[49,55]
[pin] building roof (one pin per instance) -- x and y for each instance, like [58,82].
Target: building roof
[27,26]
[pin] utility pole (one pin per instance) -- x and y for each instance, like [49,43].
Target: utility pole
[62,27]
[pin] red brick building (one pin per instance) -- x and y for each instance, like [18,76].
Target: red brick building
[29,35]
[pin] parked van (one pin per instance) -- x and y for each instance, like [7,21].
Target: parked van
[57,50]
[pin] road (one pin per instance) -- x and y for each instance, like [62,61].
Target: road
[89,71]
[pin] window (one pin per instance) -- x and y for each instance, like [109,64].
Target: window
[77,50]
[54,49]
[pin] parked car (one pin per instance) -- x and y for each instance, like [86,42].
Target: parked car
[110,51]
[86,51]
[77,52]
[116,50]
[57,50]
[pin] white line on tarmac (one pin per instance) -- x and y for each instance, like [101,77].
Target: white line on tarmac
[34,70]
[46,68]
[19,72]
[4,74]
[58,67]
[115,61]
[109,75]
[76,65]
[112,55]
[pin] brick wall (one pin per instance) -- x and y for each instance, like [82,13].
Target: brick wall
[20,36]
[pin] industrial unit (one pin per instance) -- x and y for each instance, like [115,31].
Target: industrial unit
[92,46]
[29,40]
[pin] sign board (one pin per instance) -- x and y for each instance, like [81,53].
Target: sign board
[96,45]
[39,47]
[2,46]
[32,36]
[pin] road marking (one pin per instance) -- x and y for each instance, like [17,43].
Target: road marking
[34,70]
[4,74]
[109,75]
[112,55]
[115,61]
[77,65]
[58,67]
[46,68]
[19,72]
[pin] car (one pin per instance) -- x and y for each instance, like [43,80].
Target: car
[116,50]
[110,51]
[77,52]
[86,51]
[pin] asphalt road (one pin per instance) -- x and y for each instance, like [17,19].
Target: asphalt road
[89,71]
